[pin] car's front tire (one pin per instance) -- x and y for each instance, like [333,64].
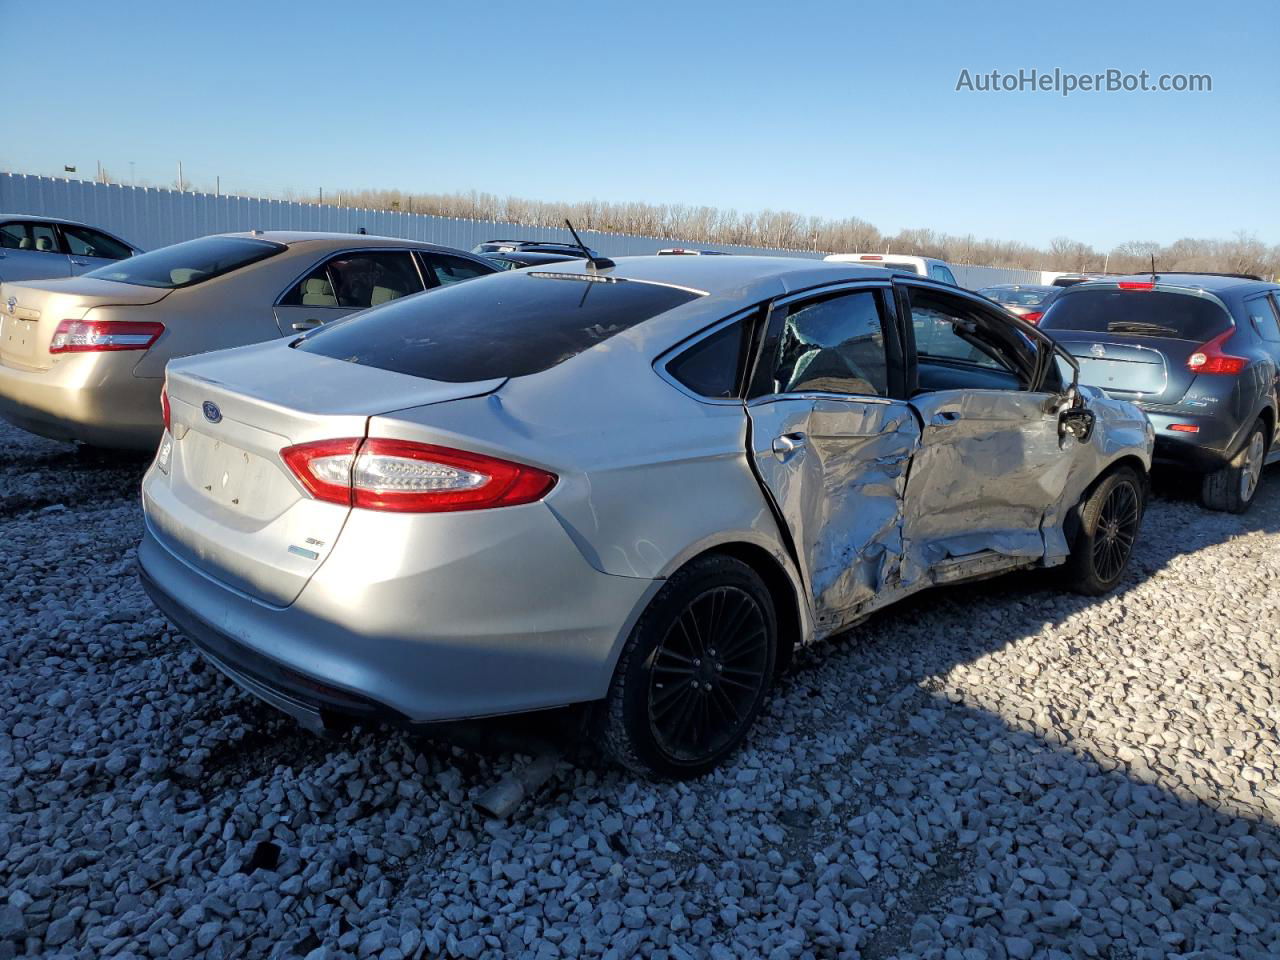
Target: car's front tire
[694,672]
[1109,520]
[1232,487]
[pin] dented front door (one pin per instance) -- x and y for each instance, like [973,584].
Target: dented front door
[991,463]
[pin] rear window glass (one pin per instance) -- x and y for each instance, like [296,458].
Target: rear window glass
[711,367]
[1024,297]
[1153,313]
[503,325]
[186,264]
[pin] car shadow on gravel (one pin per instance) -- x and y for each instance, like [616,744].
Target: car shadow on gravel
[562,729]
[1163,855]
[44,475]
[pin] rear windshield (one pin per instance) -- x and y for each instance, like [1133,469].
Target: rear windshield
[502,325]
[186,264]
[1024,297]
[1155,313]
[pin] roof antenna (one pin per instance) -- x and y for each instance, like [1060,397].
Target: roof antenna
[1153,268]
[593,263]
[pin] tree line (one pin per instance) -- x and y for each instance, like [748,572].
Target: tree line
[793,231]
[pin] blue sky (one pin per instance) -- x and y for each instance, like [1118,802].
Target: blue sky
[834,109]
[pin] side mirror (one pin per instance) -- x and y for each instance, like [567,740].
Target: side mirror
[1079,423]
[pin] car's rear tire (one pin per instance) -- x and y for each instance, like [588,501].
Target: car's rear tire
[1109,520]
[694,672]
[1233,486]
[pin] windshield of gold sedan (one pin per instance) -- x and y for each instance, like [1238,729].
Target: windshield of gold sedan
[186,264]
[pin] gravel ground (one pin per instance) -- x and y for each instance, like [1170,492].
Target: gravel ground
[990,771]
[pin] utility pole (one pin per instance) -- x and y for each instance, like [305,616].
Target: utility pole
[181,187]
[322,194]
[99,177]
[217,185]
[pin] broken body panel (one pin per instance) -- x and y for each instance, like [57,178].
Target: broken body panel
[884,498]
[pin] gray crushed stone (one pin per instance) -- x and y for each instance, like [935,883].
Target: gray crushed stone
[993,771]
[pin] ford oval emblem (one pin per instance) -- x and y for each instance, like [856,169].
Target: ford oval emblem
[1098,350]
[211,411]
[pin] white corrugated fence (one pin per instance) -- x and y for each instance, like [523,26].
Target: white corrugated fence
[151,217]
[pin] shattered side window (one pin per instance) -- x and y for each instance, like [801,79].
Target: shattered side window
[833,345]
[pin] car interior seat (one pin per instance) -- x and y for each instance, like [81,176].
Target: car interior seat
[45,244]
[316,292]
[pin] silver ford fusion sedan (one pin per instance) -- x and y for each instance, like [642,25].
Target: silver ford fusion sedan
[640,484]
[83,358]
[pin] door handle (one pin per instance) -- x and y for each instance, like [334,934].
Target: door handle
[303,325]
[945,418]
[81,263]
[787,445]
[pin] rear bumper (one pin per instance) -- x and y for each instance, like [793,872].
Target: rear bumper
[91,398]
[352,649]
[1207,449]
[305,699]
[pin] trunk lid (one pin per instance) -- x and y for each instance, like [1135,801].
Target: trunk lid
[38,307]
[1130,367]
[229,505]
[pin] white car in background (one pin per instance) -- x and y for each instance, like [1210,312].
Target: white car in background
[938,270]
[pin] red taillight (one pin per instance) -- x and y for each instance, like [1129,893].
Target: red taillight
[871,256]
[379,474]
[164,405]
[94,336]
[1184,428]
[1033,317]
[1136,285]
[1210,358]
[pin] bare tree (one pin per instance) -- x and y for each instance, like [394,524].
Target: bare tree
[785,229]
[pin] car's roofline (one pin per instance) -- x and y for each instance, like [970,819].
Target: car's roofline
[746,278]
[292,238]
[39,218]
[1190,283]
[66,221]
[1213,282]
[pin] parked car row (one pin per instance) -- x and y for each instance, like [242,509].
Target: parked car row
[633,485]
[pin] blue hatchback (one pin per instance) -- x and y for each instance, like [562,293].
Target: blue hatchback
[1199,354]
